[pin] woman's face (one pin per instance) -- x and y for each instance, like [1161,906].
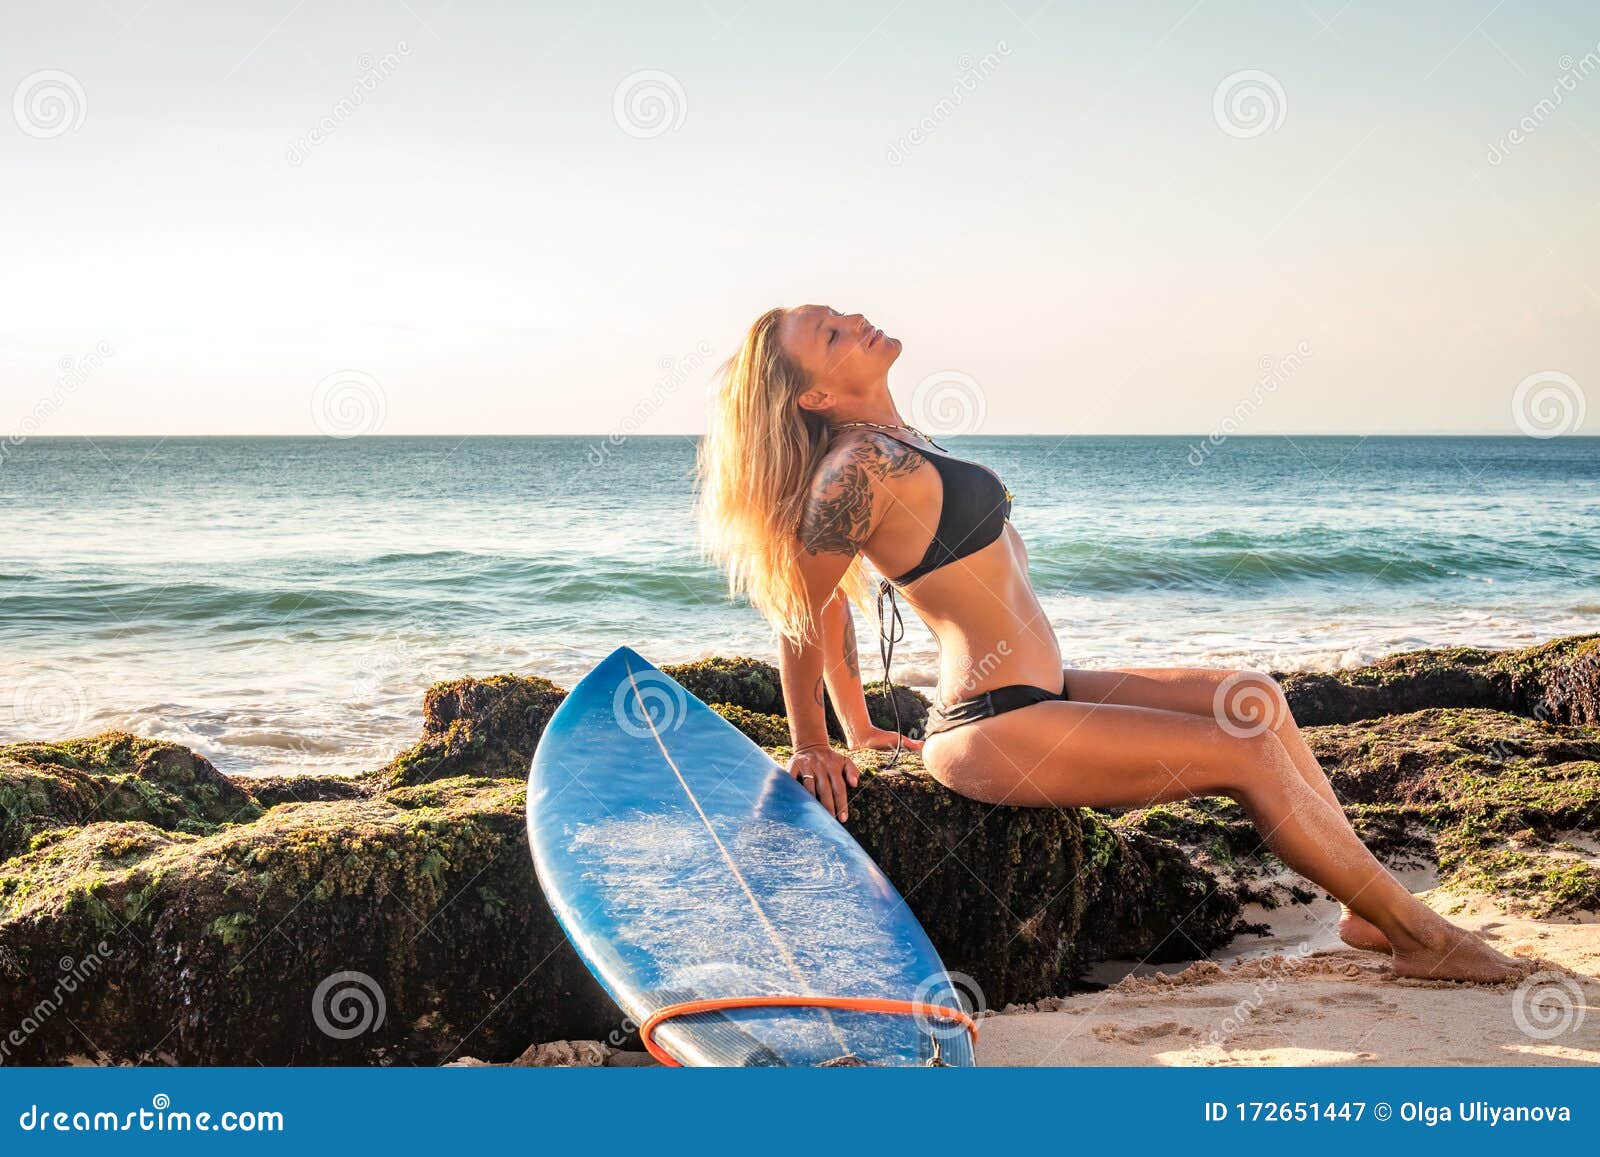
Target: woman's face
[843,354]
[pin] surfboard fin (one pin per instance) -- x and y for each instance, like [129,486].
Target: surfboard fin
[717,1035]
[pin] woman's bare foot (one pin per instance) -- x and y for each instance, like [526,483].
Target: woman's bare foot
[1363,934]
[1449,953]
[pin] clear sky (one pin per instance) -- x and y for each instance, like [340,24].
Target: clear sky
[1095,218]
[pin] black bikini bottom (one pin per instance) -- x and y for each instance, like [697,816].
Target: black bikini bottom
[996,702]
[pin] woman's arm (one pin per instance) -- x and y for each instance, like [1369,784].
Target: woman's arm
[841,510]
[842,674]
[821,770]
[842,669]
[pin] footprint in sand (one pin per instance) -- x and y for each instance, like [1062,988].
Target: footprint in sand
[1367,999]
[1139,1034]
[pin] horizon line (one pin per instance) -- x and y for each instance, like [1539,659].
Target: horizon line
[612,436]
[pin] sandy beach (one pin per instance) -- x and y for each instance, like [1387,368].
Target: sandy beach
[1299,997]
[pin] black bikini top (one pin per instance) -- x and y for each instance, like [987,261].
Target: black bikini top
[973,513]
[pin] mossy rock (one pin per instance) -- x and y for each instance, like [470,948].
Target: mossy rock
[272,790]
[112,776]
[1545,879]
[484,727]
[219,942]
[912,705]
[1022,898]
[763,730]
[739,682]
[214,924]
[1557,681]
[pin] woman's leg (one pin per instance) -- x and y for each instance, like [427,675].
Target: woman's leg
[1249,700]
[1109,755]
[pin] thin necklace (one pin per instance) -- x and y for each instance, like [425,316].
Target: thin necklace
[882,426]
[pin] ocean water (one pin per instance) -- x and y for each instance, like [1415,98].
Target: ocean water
[280,604]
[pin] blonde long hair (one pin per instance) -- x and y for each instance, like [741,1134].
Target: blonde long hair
[753,473]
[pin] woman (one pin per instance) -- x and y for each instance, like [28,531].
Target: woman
[808,469]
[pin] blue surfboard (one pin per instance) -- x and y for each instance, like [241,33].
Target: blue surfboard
[684,864]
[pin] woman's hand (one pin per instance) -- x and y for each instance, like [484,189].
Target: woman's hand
[825,773]
[880,739]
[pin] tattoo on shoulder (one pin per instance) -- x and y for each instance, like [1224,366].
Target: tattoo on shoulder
[838,514]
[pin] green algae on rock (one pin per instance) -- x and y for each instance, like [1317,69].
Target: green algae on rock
[222,941]
[477,727]
[272,790]
[114,776]
[762,730]
[1558,681]
[750,684]
[428,891]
